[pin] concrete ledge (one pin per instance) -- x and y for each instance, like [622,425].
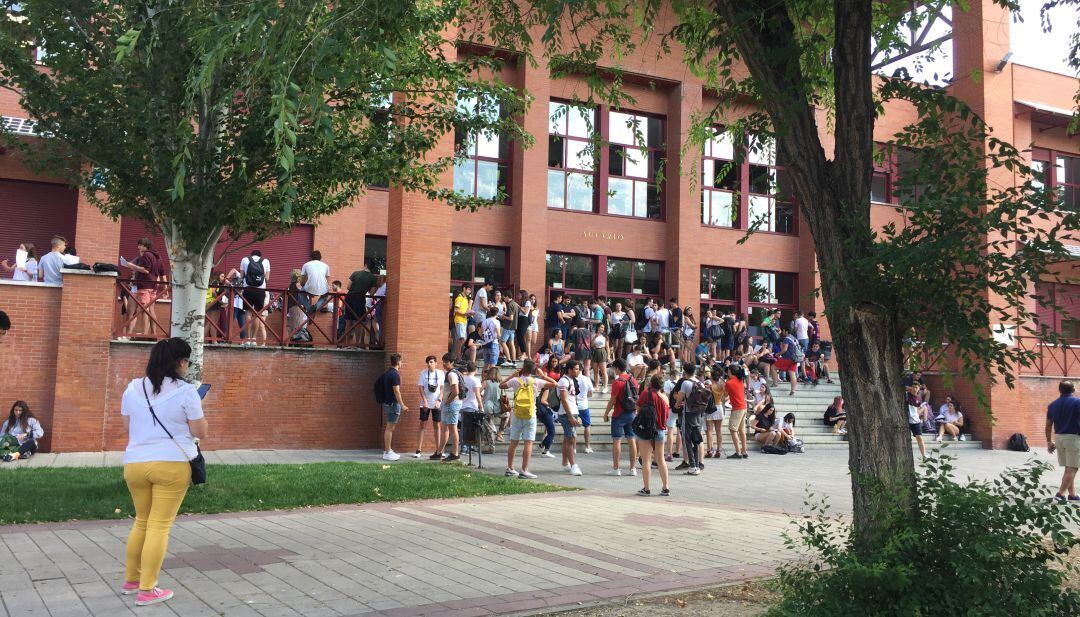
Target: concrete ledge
[263,348]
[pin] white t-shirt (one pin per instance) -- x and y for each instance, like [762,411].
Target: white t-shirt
[177,403]
[436,377]
[491,329]
[802,328]
[448,394]
[663,318]
[29,275]
[470,385]
[478,303]
[266,269]
[584,389]
[649,313]
[599,342]
[687,388]
[317,272]
[635,359]
[668,386]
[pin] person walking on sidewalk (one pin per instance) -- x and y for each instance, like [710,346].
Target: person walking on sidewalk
[156,466]
[1063,436]
[525,386]
[652,450]
[621,410]
[393,405]
[569,392]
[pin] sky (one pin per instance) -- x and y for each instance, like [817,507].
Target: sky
[1031,46]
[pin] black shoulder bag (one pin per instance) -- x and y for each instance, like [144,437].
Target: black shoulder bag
[198,464]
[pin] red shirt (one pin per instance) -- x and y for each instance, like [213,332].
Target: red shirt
[736,393]
[661,406]
[617,388]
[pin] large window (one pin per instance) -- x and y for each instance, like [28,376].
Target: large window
[720,181]
[375,252]
[484,172]
[635,162]
[633,282]
[1066,321]
[476,264]
[571,157]
[718,290]
[771,290]
[770,202]
[571,274]
[1067,180]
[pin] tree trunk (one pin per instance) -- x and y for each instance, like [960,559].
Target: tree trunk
[190,279]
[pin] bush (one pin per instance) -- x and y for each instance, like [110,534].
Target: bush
[975,548]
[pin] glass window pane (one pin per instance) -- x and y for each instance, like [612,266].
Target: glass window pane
[879,189]
[487,144]
[783,187]
[1038,174]
[555,151]
[725,175]
[461,263]
[556,191]
[375,250]
[758,315]
[761,212]
[762,180]
[762,150]
[724,210]
[621,194]
[581,121]
[625,129]
[723,284]
[785,288]
[647,278]
[487,179]
[708,172]
[1068,169]
[653,207]
[579,272]
[579,192]
[617,160]
[656,133]
[785,218]
[705,285]
[465,177]
[618,275]
[762,285]
[641,206]
[554,271]
[580,155]
[556,118]
[721,146]
[491,264]
[1070,197]
[466,104]
[637,163]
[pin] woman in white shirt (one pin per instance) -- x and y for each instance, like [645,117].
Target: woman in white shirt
[156,467]
[24,428]
[28,272]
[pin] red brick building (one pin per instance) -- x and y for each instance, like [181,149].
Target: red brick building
[603,227]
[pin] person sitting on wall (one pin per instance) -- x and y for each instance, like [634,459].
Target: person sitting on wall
[19,433]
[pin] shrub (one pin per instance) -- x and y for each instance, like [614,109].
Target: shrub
[974,548]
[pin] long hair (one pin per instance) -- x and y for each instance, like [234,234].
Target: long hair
[23,419]
[164,361]
[31,252]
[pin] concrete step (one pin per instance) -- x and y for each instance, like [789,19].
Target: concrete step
[600,445]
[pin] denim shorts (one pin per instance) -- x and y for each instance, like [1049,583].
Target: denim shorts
[622,426]
[491,354]
[672,420]
[451,412]
[522,430]
[586,417]
[506,335]
[460,330]
[568,430]
[392,412]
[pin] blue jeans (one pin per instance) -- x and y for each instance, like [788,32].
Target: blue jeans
[241,319]
[622,426]
[545,416]
[392,412]
[491,354]
[805,344]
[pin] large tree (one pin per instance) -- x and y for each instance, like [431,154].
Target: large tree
[950,275]
[201,116]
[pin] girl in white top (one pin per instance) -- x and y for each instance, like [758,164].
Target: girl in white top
[25,428]
[28,272]
[156,466]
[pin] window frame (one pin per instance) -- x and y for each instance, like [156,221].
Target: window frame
[567,139]
[605,163]
[743,165]
[1049,157]
[504,162]
[503,285]
[785,308]
[708,156]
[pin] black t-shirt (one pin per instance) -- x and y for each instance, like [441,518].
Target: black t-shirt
[393,378]
[580,338]
[553,314]
[831,413]
[361,282]
[813,356]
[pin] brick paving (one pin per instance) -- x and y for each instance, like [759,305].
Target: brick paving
[487,556]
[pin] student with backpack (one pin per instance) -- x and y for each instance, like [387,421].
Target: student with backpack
[454,393]
[388,394]
[525,386]
[791,356]
[621,411]
[256,271]
[570,405]
[694,397]
[648,427]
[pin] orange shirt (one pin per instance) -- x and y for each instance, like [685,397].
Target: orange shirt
[736,393]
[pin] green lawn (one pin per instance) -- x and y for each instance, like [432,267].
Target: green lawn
[62,494]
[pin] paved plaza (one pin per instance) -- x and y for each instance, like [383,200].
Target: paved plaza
[486,556]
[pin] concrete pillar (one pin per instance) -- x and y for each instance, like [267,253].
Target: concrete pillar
[529,190]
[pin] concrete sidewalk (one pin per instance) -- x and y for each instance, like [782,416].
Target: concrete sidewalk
[213,457]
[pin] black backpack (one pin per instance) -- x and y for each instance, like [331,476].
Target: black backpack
[629,396]
[255,275]
[462,391]
[644,424]
[771,449]
[1018,443]
[380,389]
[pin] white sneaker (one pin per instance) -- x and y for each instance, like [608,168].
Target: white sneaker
[417,454]
[843,431]
[693,471]
[527,475]
[961,438]
[633,471]
[938,438]
[547,454]
[567,467]
[510,473]
[588,450]
[575,470]
[614,472]
[391,456]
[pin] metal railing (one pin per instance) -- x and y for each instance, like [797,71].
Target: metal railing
[287,318]
[1048,359]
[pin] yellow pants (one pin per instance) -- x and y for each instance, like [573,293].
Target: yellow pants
[157,490]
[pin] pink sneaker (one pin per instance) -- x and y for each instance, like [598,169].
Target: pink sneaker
[129,588]
[155,596]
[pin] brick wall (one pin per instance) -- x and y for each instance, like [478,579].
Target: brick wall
[268,398]
[28,352]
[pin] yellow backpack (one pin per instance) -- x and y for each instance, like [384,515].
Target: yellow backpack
[525,399]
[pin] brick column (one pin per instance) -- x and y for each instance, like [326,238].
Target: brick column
[683,195]
[87,302]
[417,275]
[340,237]
[529,190]
[96,235]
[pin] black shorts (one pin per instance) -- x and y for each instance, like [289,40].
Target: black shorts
[832,421]
[256,298]
[916,428]
[436,414]
[357,307]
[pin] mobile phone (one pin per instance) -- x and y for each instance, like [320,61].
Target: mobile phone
[203,389]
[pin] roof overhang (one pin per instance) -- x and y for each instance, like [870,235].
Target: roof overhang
[1053,117]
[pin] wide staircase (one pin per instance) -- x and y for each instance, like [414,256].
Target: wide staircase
[808,404]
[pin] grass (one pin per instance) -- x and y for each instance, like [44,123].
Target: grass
[63,494]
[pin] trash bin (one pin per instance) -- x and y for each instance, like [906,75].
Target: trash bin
[472,434]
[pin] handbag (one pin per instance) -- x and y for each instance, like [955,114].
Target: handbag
[198,464]
[631,334]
